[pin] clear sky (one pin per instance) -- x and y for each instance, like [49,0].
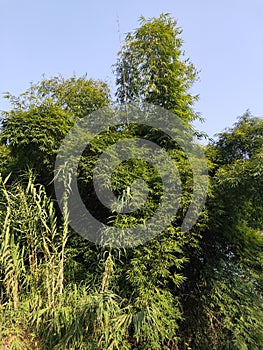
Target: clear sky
[224,40]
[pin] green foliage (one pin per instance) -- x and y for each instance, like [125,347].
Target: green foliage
[148,277]
[6,160]
[32,258]
[200,289]
[151,68]
[41,117]
[225,288]
[241,142]
[78,96]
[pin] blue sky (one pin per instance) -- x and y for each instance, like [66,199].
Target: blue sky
[224,40]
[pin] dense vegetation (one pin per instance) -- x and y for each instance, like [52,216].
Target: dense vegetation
[199,289]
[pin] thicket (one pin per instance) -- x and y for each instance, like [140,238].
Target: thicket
[200,289]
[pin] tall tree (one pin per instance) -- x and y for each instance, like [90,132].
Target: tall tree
[151,67]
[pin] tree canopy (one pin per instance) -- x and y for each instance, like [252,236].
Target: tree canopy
[151,67]
[41,117]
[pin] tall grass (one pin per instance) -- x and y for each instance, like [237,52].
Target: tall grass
[32,253]
[39,310]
